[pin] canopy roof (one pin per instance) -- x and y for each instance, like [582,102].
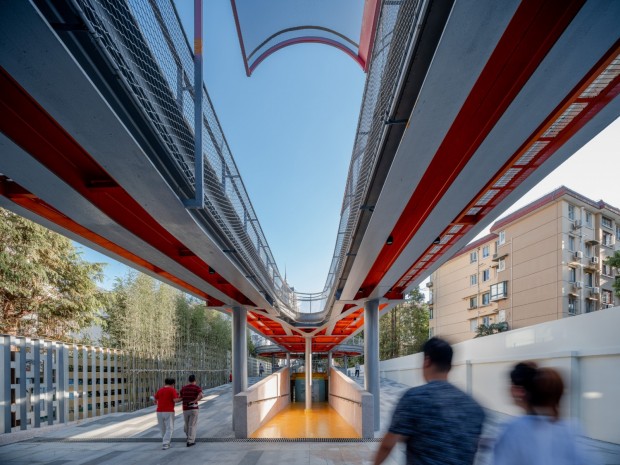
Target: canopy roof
[265,27]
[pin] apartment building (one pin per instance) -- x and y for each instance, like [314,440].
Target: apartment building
[540,263]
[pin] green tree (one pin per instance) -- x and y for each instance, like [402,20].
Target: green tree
[493,328]
[614,261]
[404,329]
[46,289]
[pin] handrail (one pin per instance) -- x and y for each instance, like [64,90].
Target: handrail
[346,398]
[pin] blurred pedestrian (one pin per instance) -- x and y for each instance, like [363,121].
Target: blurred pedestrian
[165,399]
[357,369]
[440,423]
[191,393]
[540,437]
[261,369]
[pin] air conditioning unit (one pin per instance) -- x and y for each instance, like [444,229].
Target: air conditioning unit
[595,291]
[578,255]
[594,260]
[576,224]
[429,284]
[577,285]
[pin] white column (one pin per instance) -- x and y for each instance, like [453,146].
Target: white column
[36,370]
[308,371]
[22,398]
[371,354]
[288,360]
[5,384]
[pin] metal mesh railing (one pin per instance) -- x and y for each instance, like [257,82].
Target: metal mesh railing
[145,43]
[395,31]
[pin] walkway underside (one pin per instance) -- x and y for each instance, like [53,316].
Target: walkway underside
[486,100]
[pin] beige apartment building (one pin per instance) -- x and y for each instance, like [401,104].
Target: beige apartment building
[540,263]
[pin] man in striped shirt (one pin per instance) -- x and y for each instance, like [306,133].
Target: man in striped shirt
[191,393]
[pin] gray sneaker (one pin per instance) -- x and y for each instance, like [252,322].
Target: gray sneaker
[166,446]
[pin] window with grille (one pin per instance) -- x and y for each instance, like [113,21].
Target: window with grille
[499,291]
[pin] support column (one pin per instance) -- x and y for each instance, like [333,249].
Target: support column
[273,363]
[371,354]
[346,365]
[239,350]
[308,371]
[329,362]
[288,360]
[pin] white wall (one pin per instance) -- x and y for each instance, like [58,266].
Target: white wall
[261,402]
[584,348]
[352,403]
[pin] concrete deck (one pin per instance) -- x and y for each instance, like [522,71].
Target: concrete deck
[130,438]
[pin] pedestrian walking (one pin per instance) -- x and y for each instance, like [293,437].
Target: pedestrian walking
[165,399]
[191,393]
[440,424]
[261,369]
[540,437]
[357,369]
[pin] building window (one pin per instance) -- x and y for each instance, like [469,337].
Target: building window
[588,219]
[473,280]
[606,222]
[485,251]
[501,264]
[589,277]
[572,274]
[501,316]
[607,297]
[486,275]
[499,291]
[618,233]
[571,212]
[486,321]
[572,305]
[571,243]
[486,298]
[607,239]
[590,306]
[588,248]
[473,302]
[473,257]
[473,325]
[431,332]
[606,269]
[430,313]
[502,237]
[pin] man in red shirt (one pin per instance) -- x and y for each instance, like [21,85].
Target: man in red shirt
[191,394]
[165,399]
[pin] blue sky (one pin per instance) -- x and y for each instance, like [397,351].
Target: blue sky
[291,129]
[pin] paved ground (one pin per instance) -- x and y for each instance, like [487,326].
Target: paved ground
[133,438]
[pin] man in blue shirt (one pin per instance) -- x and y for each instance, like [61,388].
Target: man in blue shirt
[439,422]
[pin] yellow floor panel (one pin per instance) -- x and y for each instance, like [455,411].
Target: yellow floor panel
[294,422]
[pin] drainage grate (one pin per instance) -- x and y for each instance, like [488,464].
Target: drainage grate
[212,440]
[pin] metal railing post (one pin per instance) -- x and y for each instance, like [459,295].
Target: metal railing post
[198,201]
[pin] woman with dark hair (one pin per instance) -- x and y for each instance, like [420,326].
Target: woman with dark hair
[540,437]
